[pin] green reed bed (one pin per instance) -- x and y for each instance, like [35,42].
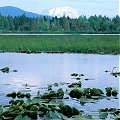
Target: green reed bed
[60,44]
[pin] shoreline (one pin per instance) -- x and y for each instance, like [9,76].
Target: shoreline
[58,53]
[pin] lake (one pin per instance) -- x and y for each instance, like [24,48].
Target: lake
[39,70]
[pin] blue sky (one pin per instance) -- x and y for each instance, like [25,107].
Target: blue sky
[85,7]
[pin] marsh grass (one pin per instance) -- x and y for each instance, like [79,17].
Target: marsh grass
[60,44]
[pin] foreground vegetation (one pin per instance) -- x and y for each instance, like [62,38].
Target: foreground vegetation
[53,102]
[50,105]
[61,44]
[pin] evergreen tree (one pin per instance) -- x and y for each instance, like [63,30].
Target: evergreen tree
[93,24]
[65,23]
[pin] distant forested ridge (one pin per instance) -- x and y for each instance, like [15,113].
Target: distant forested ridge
[93,24]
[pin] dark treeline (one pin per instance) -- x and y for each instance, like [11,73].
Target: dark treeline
[93,24]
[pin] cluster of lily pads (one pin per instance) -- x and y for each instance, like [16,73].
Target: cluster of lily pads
[50,104]
[110,91]
[46,106]
[106,111]
[18,94]
[75,84]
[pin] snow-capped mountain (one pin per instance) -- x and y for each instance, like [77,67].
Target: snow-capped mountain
[58,11]
[63,11]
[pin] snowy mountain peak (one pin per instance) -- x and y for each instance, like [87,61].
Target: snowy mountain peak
[63,11]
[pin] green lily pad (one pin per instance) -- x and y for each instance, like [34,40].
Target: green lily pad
[54,116]
[25,118]
[87,100]
[63,116]
[58,114]
[19,117]
[47,117]
[36,100]
[115,73]
[103,115]
[83,117]
[1,109]
[29,101]
[55,102]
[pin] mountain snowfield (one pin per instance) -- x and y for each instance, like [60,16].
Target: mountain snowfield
[63,11]
[58,11]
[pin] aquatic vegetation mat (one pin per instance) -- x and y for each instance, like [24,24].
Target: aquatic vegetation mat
[59,101]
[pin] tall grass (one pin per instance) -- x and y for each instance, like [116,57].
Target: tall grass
[70,43]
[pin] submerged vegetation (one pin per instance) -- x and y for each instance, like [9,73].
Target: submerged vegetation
[61,44]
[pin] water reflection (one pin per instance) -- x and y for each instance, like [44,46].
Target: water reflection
[42,69]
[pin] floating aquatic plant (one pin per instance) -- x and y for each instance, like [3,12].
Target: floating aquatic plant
[5,69]
[76,84]
[76,93]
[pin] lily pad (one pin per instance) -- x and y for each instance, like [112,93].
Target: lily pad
[87,100]
[55,102]
[36,100]
[103,115]
[5,69]
[54,115]
[19,117]
[29,101]
[115,73]
[83,117]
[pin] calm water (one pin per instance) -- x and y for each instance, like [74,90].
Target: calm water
[39,70]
